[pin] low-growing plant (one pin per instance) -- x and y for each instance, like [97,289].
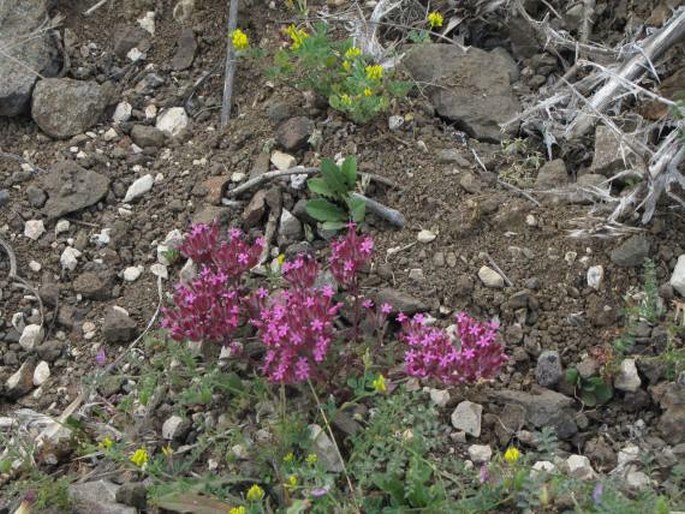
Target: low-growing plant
[338,71]
[592,391]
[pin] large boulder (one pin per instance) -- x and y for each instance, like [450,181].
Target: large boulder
[27,52]
[468,87]
[65,107]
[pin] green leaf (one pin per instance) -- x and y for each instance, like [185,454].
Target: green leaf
[357,208]
[603,393]
[322,210]
[349,171]
[320,186]
[588,398]
[333,225]
[572,376]
[333,177]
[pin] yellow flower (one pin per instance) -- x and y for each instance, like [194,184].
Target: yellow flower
[239,40]
[280,260]
[379,384]
[292,482]
[512,455]
[106,443]
[167,451]
[435,20]
[297,36]
[311,459]
[347,65]
[254,493]
[289,458]
[374,72]
[368,92]
[353,52]
[237,510]
[139,457]
[345,99]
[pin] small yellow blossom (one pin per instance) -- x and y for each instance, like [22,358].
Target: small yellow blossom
[167,451]
[237,510]
[106,443]
[289,458]
[374,72]
[297,36]
[379,384]
[254,493]
[368,91]
[312,459]
[353,52]
[346,65]
[292,482]
[512,455]
[345,99]
[435,20]
[140,457]
[239,40]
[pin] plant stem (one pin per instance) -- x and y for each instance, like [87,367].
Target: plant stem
[335,444]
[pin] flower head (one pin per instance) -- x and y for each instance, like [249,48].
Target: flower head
[106,443]
[101,357]
[349,255]
[352,52]
[297,36]
[237,510]
[597,493]
[512,455]
[239,39]
[374,72]
[167,451]
[345,100]
[346,65]
[254,493]
[312,459]
[289,458]
[435,20]
[140,457]
[291,482]
[368,91]
[379,384]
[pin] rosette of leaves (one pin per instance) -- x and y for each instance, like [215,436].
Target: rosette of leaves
[335,205]
[592,391]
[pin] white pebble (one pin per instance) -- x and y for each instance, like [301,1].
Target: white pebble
[425,236]
[132,273]
[33,229]
[41,373]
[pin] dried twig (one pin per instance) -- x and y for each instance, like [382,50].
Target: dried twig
[497,269]
[229,73]
[18,281]
[392,216]
[94,8]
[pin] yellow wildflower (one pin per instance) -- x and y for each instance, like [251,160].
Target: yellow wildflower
[297,36]
[347,65]
[292,482]
[311,459]
[368,91]
[345,99]
[255,493]
[374,72]
[512,455]
[289,458]
[167,451]
[352,52]
[379,384]
[140,457]
[239,40]
[435,20]
[280,260]
[106,443]
[237,510]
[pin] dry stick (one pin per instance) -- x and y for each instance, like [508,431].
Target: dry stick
[657,44]
[229,73]
[17,280]
[497,269]
[586,27]
[515,189]
[94,8]
[392,216]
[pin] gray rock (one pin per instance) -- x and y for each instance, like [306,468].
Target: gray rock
[33,229]
[490,278]
[608,156]
[65,107]
[36,196]
[677,280]
[294,133]
[467,418]
[671,398]
[97,497]
[595,274]
[31,336]
[69,258]
[27,53]
[71,188]
[176,428]
[128,38]
[139,187]
[41,373]
[51,350]
[93,286]
[255,210]
[469,87]
[552,175]
[145,135]
[480,453]
[21,382]
[627,378]
[578,466]
[133,494]
[440,397]
[4,197]
[185,50]
[118,327]
[400,302]
[452,156]
[548,370]
[523,42]
[631,252]
[289,227]
[173,121]
[325,450]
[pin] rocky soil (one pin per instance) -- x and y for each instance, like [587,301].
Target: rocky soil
[108,158]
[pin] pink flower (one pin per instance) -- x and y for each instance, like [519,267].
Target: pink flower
[349,255]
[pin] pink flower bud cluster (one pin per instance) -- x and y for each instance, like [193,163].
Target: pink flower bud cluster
[432,354]
[211,307]
[349,255]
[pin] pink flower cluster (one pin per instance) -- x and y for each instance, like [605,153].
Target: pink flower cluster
[211,307]
[432,353]
[348,255]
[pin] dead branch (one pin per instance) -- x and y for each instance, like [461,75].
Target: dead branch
[229,74]
[94,8]
[16,280]
[392,216]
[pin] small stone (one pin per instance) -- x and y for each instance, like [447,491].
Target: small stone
[69,258]
[172,121]
[452,156]
[139,187]
[552,175]
[400,302]
[416,274]
[425,236]
[33,229]
[35,266]
[548,371]
[543,466]
[20,382]
[122,112]
[467,418]
[188,272]
[627,378]
[255,210]
[294,133]
[147,136]
[440,397]
[282,161]
[99,496]
[480,453]
[579,467]
[395,122]
[118,327]
[186,47]
[490,278]
[159,270]
[62,226]
[677,280]
[92,286]
[595,274]
[41,373]
[325,450]
[608,156]
[176,428]
[632,252]
[147,22]
[31,336]
[637,480]
[110,135]
[132,273]
[133,494]
[289,227]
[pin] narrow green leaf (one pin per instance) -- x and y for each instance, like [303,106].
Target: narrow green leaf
[349,171]
[333,177]
[322,210]
[333,225]
[320,186]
